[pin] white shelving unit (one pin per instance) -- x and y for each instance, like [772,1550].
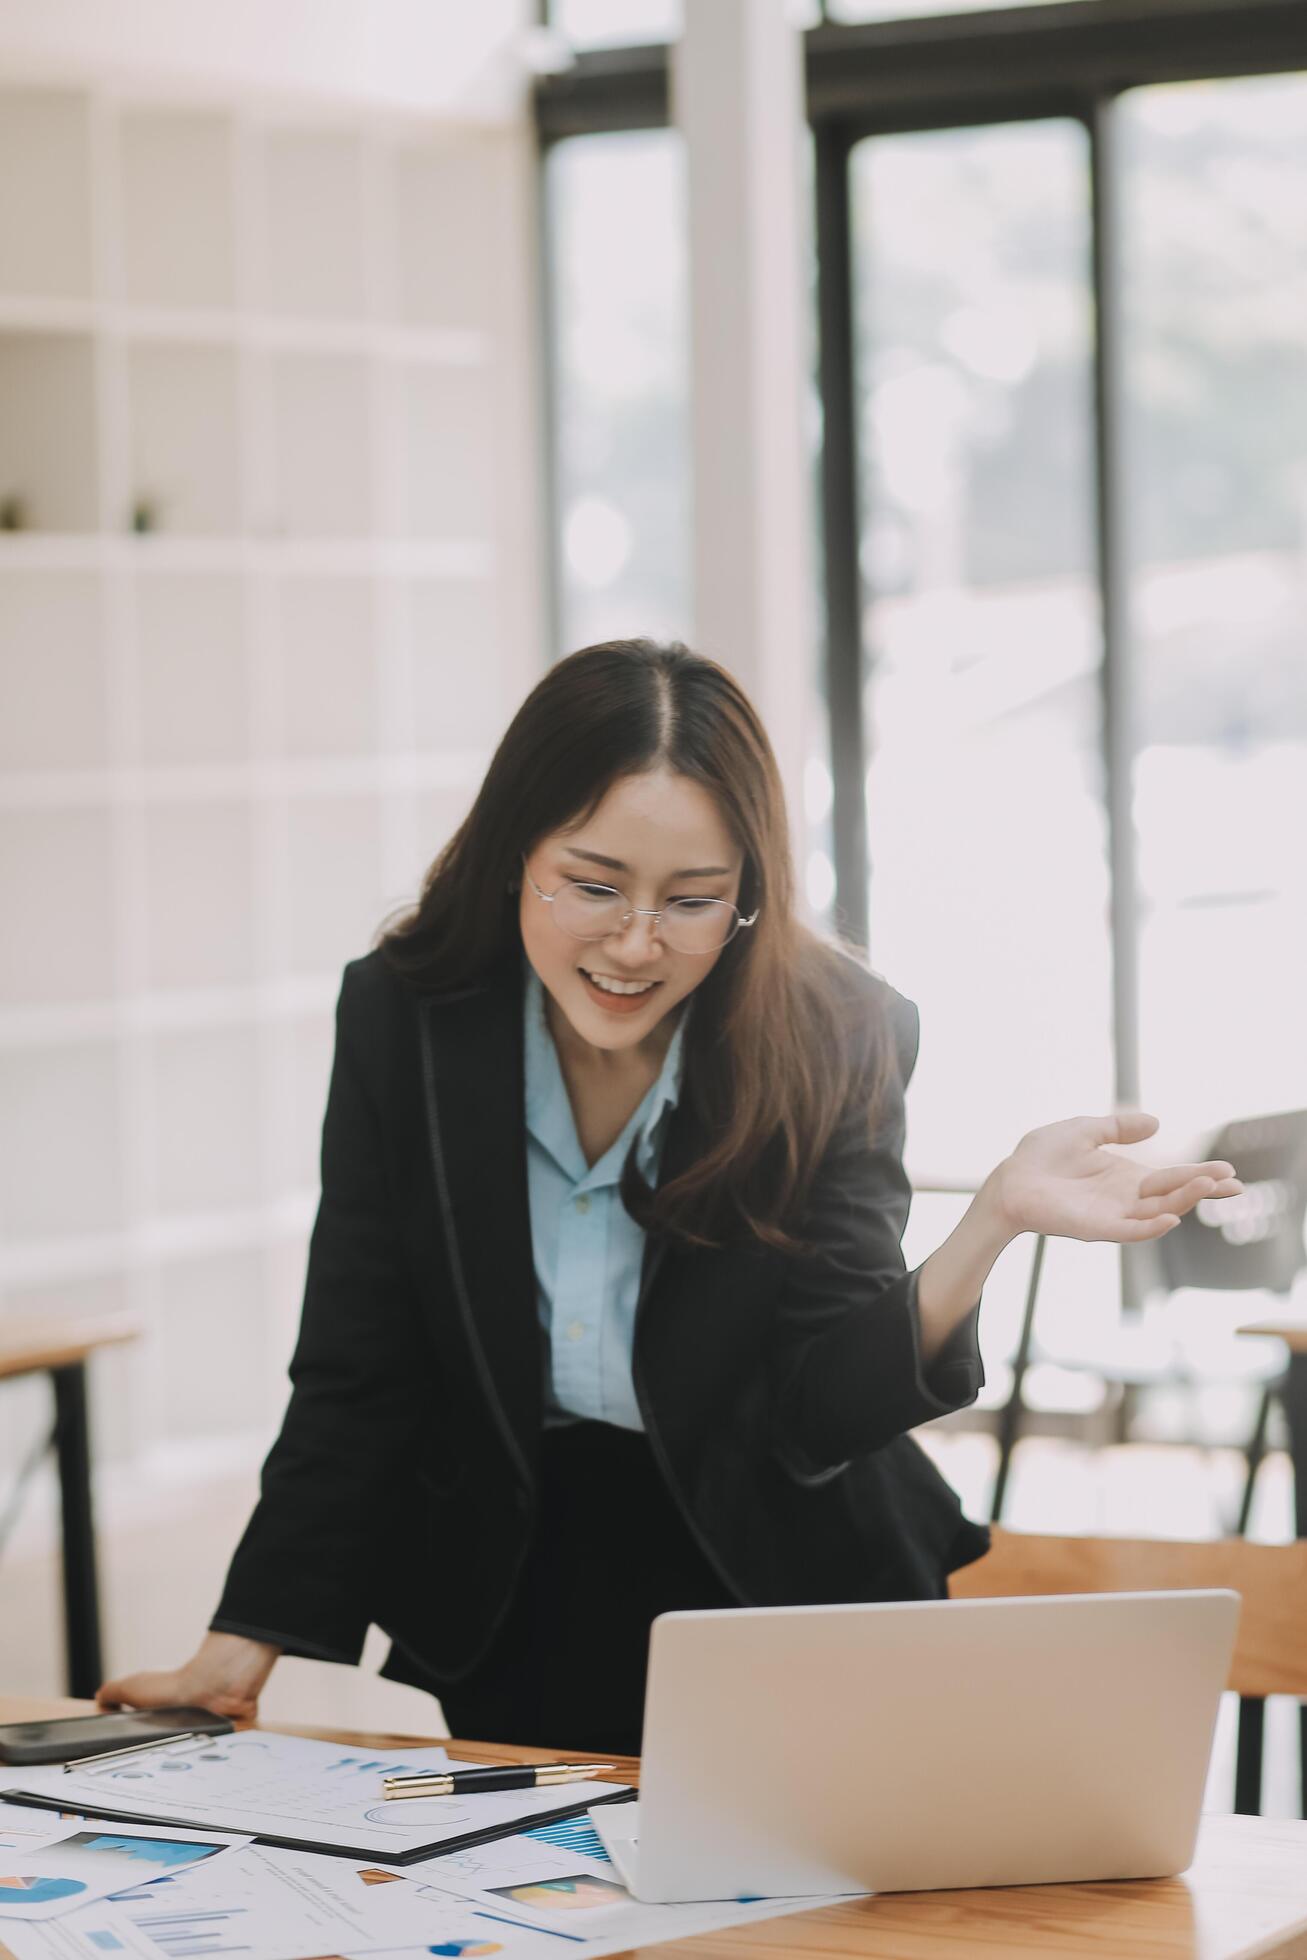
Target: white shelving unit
[267,597]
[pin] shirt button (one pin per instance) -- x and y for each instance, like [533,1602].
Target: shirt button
[583,1204]
[576,1330]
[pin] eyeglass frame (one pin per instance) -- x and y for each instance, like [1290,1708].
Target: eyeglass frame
[642,912]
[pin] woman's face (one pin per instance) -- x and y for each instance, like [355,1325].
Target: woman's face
[654,837]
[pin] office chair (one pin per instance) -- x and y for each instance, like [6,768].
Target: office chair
[1270,1655]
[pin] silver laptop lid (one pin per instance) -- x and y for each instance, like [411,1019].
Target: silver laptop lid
[940,1743]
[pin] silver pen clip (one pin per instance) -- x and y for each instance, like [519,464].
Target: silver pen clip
[133,1749]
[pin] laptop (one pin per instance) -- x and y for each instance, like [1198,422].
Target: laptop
[940,1743]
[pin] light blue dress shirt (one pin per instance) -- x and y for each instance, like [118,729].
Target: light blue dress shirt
[588,1249]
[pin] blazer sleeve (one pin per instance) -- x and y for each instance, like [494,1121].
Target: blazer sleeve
[302,1574]
[847,1372]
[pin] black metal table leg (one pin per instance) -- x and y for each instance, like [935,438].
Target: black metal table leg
[81,1588]
[1294,1395]
[1009,1418]
[1248,1757]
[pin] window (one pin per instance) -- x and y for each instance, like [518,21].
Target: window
[615,208]
[986,833]
[1215,295]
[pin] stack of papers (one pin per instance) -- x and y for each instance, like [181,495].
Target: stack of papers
[69,1891]
[310,1796]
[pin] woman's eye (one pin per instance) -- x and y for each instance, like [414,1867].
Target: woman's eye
[694,904]
[598,893]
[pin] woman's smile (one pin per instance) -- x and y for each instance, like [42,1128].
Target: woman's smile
[615,995]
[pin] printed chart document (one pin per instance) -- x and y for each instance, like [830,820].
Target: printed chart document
[82,1865]
[289,1791]
[527,1897]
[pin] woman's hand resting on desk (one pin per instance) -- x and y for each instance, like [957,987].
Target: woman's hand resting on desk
[1065,1182]
[225,1675]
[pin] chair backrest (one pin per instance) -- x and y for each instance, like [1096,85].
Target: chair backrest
[1256,1239]
[1270,1655]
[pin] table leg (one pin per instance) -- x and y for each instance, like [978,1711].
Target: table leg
[1248,1757]
[1294,1396]
[81,1590]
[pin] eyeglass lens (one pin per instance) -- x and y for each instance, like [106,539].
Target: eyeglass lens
[689,925]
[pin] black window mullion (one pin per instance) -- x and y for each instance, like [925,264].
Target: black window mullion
[1118,681]
[839,531]
[1119,678]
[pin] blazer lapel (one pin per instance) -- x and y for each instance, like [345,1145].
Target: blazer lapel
[683,1143]
[473,1092]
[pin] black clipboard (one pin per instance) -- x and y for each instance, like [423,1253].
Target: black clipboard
[463,1842]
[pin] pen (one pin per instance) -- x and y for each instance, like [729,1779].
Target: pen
[133,1749]
[495,1776]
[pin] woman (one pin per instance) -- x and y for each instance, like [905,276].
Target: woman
[606,1312]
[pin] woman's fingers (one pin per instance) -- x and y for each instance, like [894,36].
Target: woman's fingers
[1133,1231]
[1157,1183]
[1124,1126]
[1179,1201]
[1187,1196]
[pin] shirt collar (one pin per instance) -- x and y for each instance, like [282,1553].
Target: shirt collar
[549,1113]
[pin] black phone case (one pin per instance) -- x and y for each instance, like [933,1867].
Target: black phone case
[47,1742]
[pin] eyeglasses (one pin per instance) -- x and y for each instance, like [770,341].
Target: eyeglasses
[687,925]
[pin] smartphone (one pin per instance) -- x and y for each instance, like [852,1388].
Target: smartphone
[92,1735]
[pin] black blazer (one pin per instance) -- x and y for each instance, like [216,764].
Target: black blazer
[775,1392]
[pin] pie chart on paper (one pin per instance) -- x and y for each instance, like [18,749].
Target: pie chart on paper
[37,1891]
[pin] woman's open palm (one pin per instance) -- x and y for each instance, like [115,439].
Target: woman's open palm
[1065,1181]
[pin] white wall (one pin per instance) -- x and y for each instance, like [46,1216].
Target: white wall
[268,267]
[442,57]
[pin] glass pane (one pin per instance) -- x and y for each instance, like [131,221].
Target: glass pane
[621,386]
[1215,269]
[989,890]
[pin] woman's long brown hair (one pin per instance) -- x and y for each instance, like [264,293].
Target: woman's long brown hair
[774,1046]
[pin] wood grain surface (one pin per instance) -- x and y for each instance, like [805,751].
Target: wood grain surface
[30,1342]
[1244,1898]
[1270,1655]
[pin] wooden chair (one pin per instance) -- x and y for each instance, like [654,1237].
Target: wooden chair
[1270,1654]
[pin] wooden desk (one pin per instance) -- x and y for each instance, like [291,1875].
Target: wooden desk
[1244,1898]
[59,1344]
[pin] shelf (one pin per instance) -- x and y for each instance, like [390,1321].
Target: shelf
[70,956]
[60,1160]
[312,260]
[212,327]
[440,424]
[185,454]
[453,631]
[274,335]
[45,194]
[49,455]
[53,680]
[31,551]
[442,196]
[199,895]
[320,414]
[326,668]
[193,670]
[332,903]
[179,217]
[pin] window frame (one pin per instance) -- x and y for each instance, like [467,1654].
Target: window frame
[1071,59]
